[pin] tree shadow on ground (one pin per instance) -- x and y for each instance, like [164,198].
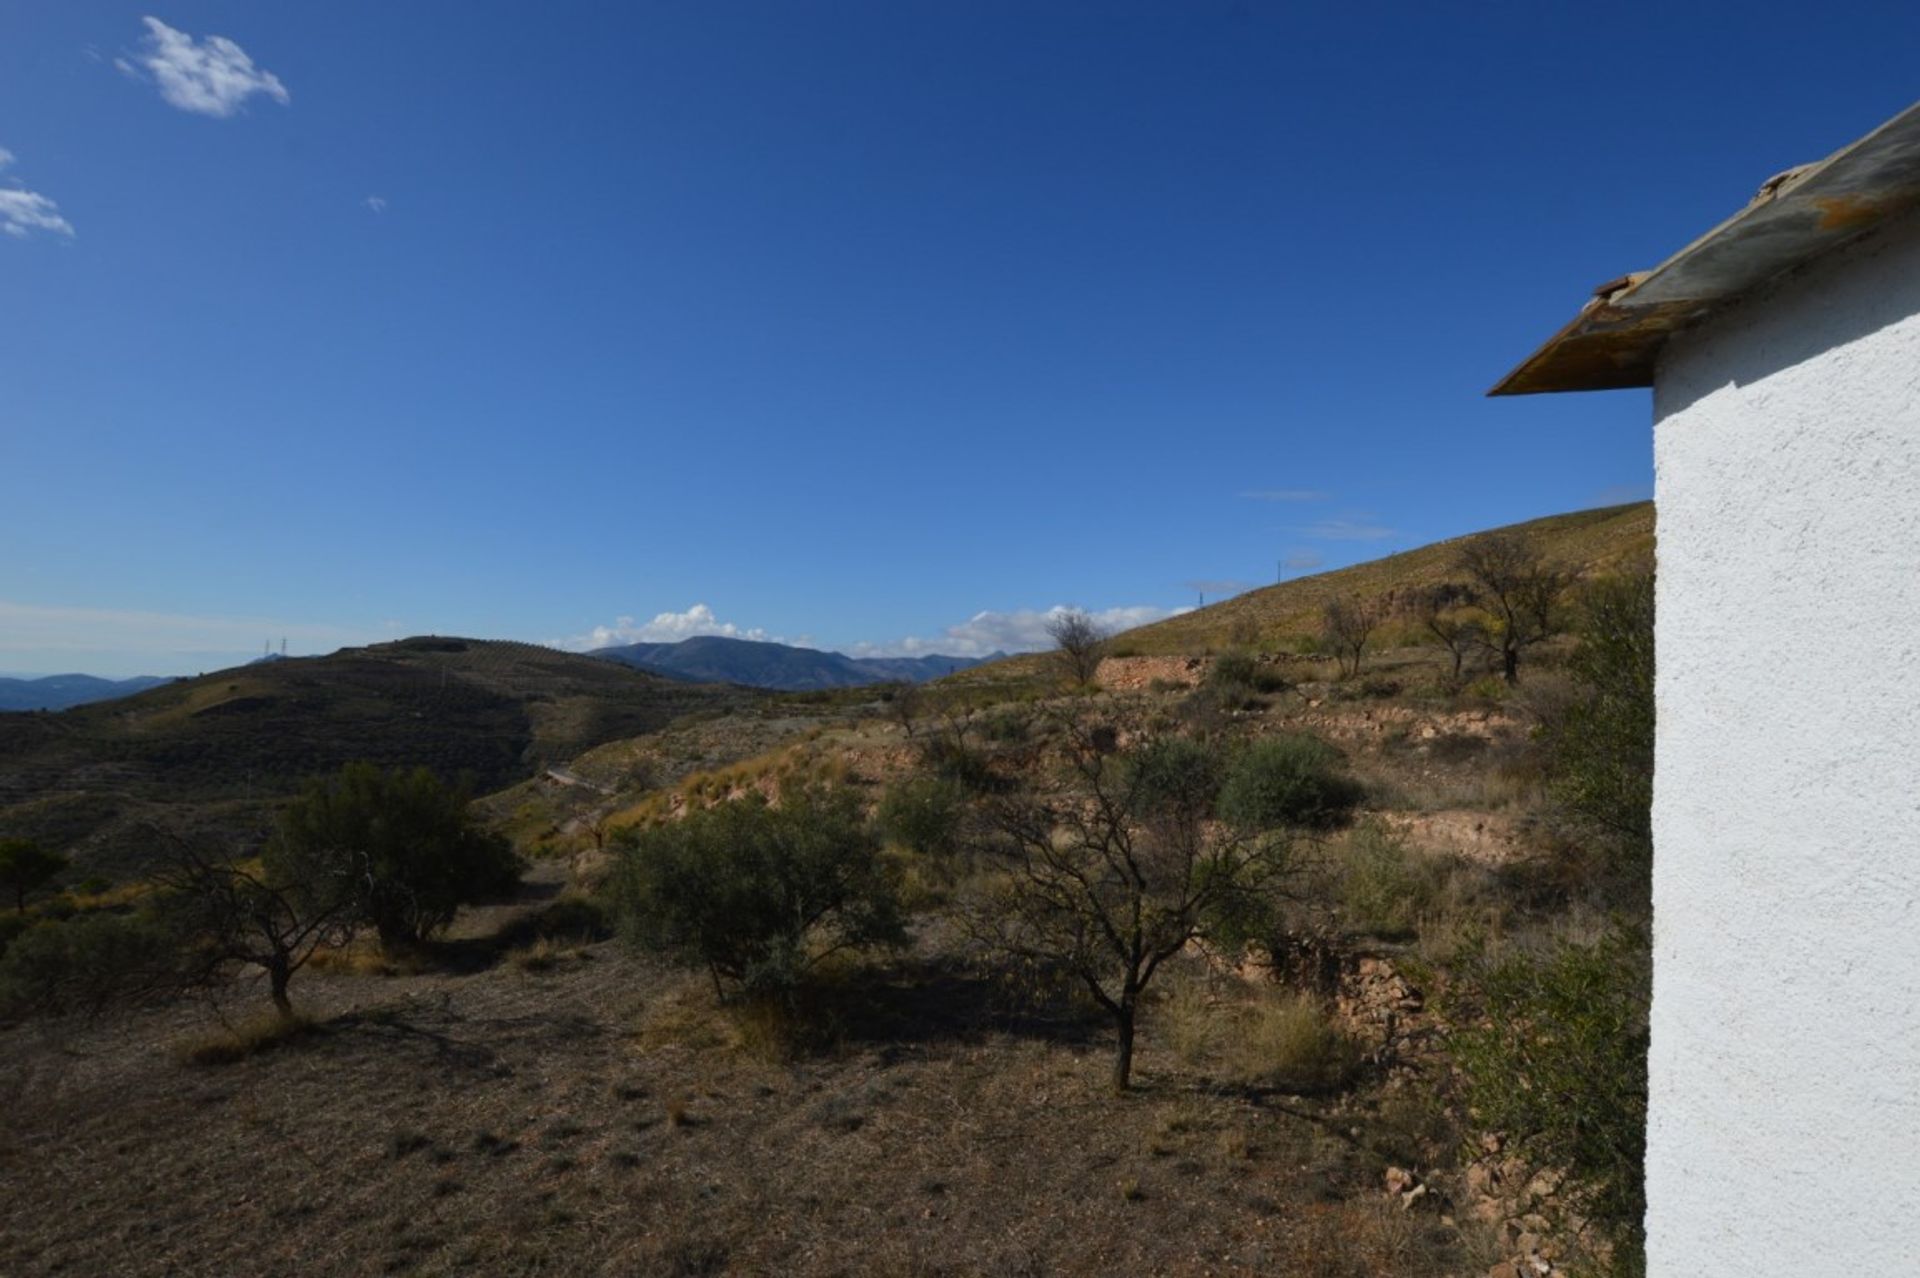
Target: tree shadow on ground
[436,1034]
[920,1002]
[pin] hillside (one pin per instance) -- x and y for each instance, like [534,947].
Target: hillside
[214,751]
[59,692]
[1287,615]
[759,664]
[1587,540]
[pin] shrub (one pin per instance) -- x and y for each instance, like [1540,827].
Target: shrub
[947,755]
[11,926]
[406,842]
[1385,886]
[1175,775]
[923,814]
[1288,1041]
[87,964]
[755,894]
[27,867]
[1555,1056]
[1007,727]
[1601,749]
[1233,670]
[1241,673]
[1289,780]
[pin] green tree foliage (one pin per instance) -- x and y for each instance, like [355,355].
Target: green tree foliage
[756,894]
[924,814]
[1290,780]
[1555,1056]
[85,964]
[1174,775]
[1113,872]
[26,867]
[405,841]
[1602,749]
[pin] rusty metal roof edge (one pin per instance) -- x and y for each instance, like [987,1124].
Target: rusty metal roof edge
[1802,214]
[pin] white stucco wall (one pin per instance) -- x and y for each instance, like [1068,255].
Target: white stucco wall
[1784,1135]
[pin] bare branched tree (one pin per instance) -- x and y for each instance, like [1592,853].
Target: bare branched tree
[905,702]
[1345,625]
[1438,610]
[1518,590]
[228,916]
[1078,642]
[1115,874]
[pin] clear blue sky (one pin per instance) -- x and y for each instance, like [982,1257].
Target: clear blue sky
[848,321]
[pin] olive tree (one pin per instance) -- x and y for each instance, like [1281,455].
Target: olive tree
[405,842]
[26,867]
[758,895]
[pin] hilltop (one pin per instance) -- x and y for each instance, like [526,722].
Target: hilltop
[214,752]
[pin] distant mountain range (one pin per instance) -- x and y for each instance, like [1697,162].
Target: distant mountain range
[756,664]
[57,692]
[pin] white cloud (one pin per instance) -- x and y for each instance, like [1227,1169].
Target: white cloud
[212,77]
[376,203]
[666,627]
[1284,494]
[1302,560]
[23,212]
[986,633]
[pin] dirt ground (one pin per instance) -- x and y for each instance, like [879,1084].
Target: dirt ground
[602,1117]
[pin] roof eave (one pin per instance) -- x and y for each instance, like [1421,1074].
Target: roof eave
[1616,339]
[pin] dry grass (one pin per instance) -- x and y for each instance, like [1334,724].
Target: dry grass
[545,954]
[1256,1036]
[232,1043]
[611,1119]
[1289,1041]
[363,957]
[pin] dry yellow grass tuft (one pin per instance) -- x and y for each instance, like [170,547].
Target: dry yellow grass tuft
[232,1043]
